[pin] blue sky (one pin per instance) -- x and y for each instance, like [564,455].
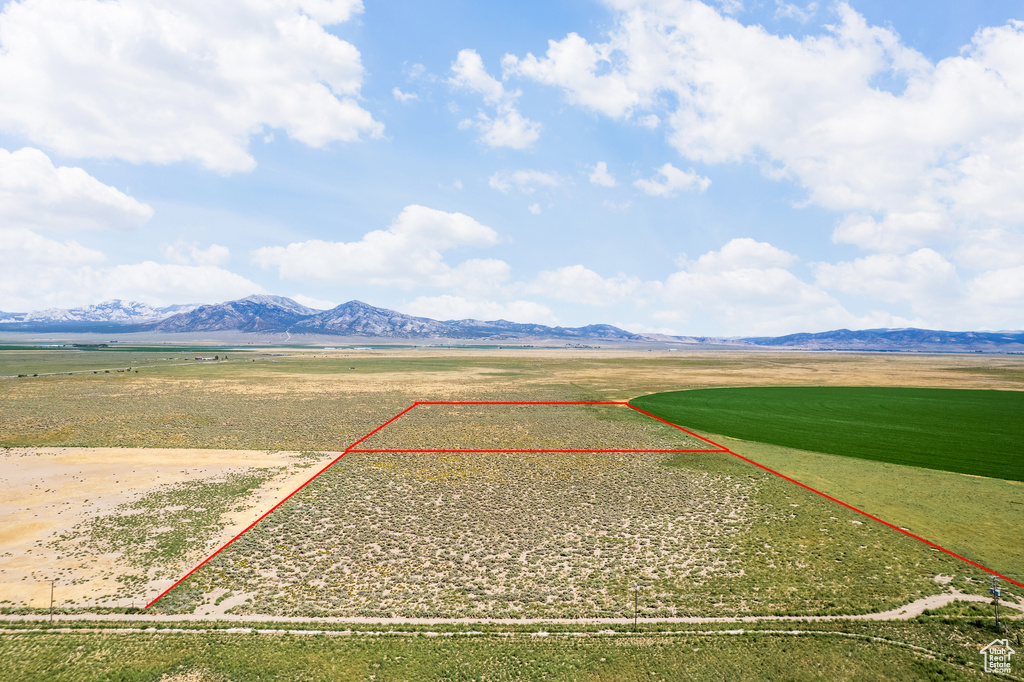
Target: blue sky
[719,168]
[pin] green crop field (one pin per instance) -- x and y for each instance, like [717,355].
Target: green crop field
[964,431]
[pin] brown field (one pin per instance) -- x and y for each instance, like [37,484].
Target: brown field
[546,535]
[529,427]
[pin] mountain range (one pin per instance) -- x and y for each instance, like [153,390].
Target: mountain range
[109,311]
[264,314]
[277,315]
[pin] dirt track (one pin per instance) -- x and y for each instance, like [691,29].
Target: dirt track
[906,612]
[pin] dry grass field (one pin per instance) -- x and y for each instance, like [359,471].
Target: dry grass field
[324,400]
[502,535]
[384,533]
[561,536]
[528,427]
[976,517]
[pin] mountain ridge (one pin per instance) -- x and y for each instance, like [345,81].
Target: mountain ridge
[893,339]
[113,310]
[269,314]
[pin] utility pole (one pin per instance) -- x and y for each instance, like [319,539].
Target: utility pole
[636,595]
[53,582]
[996,593]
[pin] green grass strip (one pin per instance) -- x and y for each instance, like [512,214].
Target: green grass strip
[964,431]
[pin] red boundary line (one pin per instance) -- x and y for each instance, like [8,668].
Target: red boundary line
[721,449]
[533,451]
[523,402]
[840,502]
[520,402]
[265,515]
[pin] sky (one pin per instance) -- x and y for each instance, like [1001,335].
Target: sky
[725,168]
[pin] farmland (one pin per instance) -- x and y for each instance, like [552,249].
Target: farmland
[400,534]
[969,432]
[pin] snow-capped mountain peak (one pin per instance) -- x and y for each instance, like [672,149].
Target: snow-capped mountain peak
[114,310]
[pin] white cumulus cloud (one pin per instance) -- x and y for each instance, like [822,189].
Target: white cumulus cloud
[505,126]
[147,81]
[450,307]
[316,303]
[578,284]
[526,181]
[407,254]
[162,283]
[23,248]
[789,10]
[923,279]
[37,195]
[403,97]
[997,291]
[37,272]
[469,73]
[932,288]
[189,253]
[912,153]
[669,180]
[573,64]
[744,253]
[599,175]
[746,288]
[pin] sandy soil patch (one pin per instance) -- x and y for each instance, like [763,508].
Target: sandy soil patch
[47,491]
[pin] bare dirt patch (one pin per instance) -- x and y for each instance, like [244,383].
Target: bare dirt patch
[48,492]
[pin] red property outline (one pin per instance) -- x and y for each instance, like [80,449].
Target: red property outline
[720,449]
[351,448]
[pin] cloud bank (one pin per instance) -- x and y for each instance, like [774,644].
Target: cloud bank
[148,81]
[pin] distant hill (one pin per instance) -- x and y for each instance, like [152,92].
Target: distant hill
[266,314]
[356,318]
[273,315]
[897,340]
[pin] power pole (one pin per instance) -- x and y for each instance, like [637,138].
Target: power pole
[636,595]
[996,593]
[53,582]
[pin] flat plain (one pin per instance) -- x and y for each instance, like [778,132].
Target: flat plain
[562,536]
[486,535]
